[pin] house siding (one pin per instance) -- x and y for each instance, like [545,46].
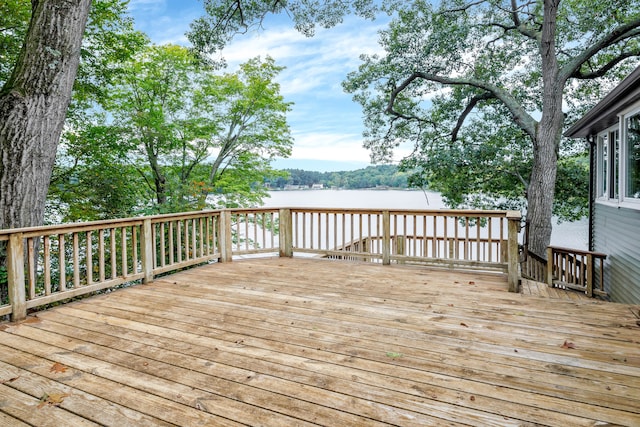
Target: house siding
[616,232]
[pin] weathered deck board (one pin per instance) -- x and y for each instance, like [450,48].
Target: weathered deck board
[531,287]
[308,342]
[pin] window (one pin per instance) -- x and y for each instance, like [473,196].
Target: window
[632,154]
[608,167]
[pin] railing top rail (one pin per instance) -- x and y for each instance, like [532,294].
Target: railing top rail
[435,212]
[577,251]
[105,223]
[69,227]
[119,222]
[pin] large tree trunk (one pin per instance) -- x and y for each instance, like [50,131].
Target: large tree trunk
[33,106]
[541,191]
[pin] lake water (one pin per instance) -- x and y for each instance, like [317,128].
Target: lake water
[567,234]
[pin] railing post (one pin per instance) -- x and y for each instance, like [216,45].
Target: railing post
[550,266]
[513,218]
[285,233]
[226,236]
[590,270]
[386,238]
[15,277]
[146,250]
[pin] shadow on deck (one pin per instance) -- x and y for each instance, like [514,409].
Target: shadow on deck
[314,342]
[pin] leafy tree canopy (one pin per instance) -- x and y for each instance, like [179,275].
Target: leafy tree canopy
[177,131]
[225,19]
[369,177]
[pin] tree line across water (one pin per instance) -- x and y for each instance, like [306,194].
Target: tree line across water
[369,177]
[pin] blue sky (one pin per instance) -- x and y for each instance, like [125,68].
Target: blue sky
[325,122]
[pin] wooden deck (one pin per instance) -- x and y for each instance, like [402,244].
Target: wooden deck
[531,287]
[295,342]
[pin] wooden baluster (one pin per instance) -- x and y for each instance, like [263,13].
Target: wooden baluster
[147,248]
[46,249]
[134,248]
[171,243]
[112,242]
[490,240]
[62,264]
[186,240]
[179,241]
[201,235]
[311,233]
[89,260]
[31,267]
[246,231]
[272,229]
[76,260]
[434,243]
[327,227]
[320,230]
[206,238]
[351,225]
[194,239]
[590,268]
[158,242]
[478,248]
[123,251]
[101,259]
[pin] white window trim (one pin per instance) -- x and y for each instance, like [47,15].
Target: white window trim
[603,193]
[622,201]
[627,202]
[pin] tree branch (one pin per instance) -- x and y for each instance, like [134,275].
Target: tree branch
[465,7]
[518,25]
[578,74]
[470,106]
[618,34]
[527,123]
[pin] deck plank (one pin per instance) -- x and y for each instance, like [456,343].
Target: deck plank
[317,342]
[88,406]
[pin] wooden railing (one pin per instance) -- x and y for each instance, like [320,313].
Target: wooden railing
[49,264]
[575,269]
[451,238]
[568,269]
[533,267]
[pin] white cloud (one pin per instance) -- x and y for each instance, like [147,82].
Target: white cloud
[329,146]
[312,63]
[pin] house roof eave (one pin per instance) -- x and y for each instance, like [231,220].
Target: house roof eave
[604,113]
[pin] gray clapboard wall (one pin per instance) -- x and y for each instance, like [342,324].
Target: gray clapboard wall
[616,232]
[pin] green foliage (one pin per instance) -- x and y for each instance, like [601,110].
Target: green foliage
[14,20]
[109,41]
[168,130]
[109,37]
[572,185]
[225,19]
[369,177]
